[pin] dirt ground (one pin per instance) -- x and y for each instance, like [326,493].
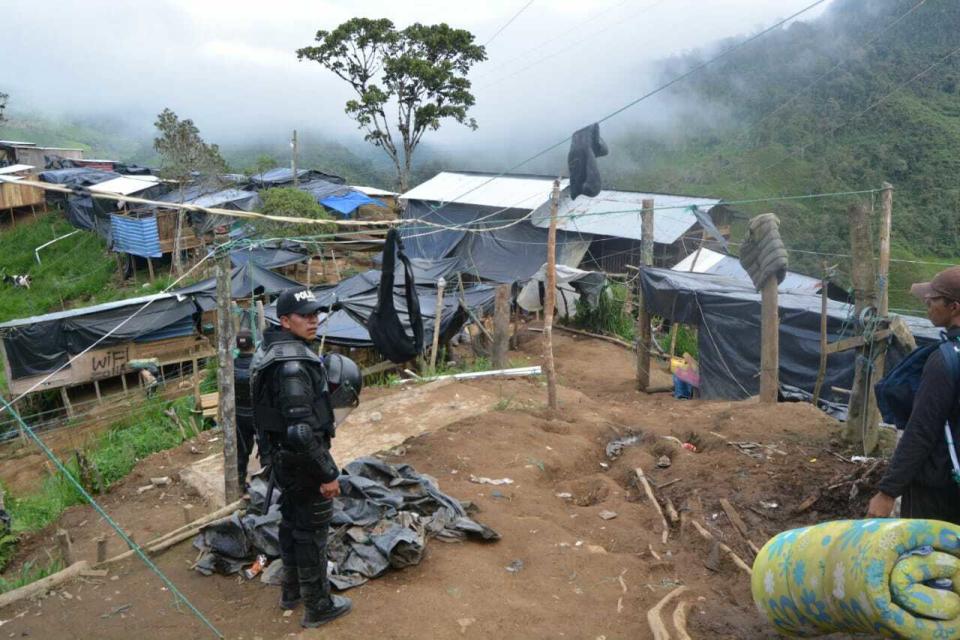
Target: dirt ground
[583,574]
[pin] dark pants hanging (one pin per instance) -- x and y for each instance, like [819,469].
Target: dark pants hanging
[303,544]
[931,503]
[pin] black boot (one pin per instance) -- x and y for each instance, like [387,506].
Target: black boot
[290,588]
[318,613]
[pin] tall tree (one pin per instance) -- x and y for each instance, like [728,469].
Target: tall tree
[184,155]
[417,75]
[3,105]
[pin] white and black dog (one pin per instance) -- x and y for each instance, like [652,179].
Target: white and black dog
[19,281]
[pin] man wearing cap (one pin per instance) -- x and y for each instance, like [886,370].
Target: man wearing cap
[921,469]
[294,414]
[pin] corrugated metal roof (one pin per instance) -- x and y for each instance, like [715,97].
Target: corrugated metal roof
[126,185]
[720,264]
[485,190]
[617,214]
[16,168]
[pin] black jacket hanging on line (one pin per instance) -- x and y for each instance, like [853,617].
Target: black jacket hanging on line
[386,330]
[585,147]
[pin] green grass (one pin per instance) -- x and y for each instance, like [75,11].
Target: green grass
[112,455]
[608,316]
[29,572]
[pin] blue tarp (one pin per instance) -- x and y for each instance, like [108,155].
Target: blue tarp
[136,236]
[347,204]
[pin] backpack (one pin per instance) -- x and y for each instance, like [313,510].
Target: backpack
[386,329]
[896,390]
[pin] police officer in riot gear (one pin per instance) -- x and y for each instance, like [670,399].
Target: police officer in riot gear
[294,411]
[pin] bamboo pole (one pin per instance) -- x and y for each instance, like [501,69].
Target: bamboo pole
[44,584]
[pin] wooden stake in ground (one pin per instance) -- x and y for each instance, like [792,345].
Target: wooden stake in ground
[227,416]
[644,333]
[769,341]
[294,151]
[737,560]
[438,317]
[653,499]
[501,327]
[657,627]
[550,302]
[66,547]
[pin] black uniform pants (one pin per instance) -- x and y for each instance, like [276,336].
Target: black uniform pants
[303,543]
[245,439]
[932,503]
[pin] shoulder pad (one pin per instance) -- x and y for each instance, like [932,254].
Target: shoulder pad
[291,367]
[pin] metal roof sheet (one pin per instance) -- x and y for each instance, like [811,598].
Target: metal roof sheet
[16,168]
[373,191]
[617,214]
[485,190]
[126,185]
[83,311]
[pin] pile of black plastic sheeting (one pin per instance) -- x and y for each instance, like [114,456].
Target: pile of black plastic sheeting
[381,521]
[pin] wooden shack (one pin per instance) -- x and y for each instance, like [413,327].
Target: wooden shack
[20,152]
[16,196]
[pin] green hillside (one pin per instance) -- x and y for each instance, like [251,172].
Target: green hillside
[868,92]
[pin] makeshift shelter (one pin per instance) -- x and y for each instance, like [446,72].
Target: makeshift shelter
[14,195]
[338,197]
[249,280]
[283,177]
[387,200]
[162,326]
[20,152]
[204,195]
[612,221]
[492,233]
[726,312]
[705,260]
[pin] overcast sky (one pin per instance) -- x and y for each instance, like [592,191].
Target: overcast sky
[230,64]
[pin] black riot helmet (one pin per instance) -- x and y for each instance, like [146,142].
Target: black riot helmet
[345,382]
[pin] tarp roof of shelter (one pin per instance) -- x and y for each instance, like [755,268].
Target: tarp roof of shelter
[425,273]
[245,280]
[485,189]
[267,257]
[728,313]
[284,175]
[77,176]
[16,168]
[722,264]
[617,214]
[373,191]
[16,143]
[126,185]
[83,311]
[223,197]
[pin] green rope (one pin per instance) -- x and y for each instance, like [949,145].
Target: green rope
[135,547]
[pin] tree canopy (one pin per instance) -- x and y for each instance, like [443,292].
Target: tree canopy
[407,82]
[182,151]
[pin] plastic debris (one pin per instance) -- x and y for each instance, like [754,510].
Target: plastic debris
[515,567]
[608,515]
[615,447]
[483,480]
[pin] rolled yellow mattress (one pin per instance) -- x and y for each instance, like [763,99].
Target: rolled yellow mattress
[888,577]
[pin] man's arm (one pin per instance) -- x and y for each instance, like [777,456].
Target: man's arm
[924,431]
[295,400]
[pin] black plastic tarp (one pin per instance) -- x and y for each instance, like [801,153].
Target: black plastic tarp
[77,177]
[283,177]
[346,327]
[425,274]
[509,249]
[727,315]
[214,196]
[40,345]
[266,257]
[249,279]
[382,520]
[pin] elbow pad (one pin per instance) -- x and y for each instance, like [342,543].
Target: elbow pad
[300,437]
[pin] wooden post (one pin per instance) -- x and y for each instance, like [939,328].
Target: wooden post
[66,548]
[883,268]
[187,514]
[123,381]
[196,384]
[550,302]
[225,343]
[441,284]
[309,266]
[769,341]
[336,267]
[501,327]
[65,396]
[643,332]
[293,158]
[822,370]
[101,549]
[150,268]
[261,319]
[96,389]
[861,426]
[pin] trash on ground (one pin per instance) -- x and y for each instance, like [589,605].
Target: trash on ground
[515,567]
[615,447]
[483,480]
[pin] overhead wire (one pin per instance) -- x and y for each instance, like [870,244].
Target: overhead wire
[508,23]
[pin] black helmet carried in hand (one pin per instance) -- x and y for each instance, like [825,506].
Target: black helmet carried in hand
[345,382]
